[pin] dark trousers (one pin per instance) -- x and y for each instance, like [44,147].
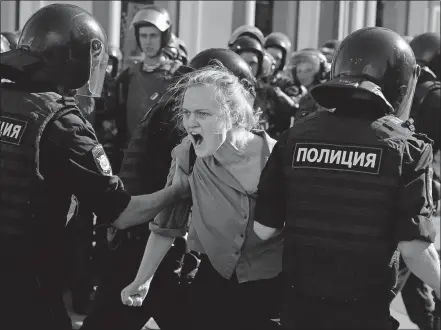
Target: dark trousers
[28,301]
[220,304]
[417,298]
[80,277]
[164,301]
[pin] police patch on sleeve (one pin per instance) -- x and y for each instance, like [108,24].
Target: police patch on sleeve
[11,130]
[337,157]
[101,160]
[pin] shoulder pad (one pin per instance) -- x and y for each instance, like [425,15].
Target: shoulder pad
[391,124]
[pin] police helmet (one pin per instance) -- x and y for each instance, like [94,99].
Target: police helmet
[156,16]
[426,48]
[231,61]
[311,55]
[12,38]
[5,46]
[374,64]
[246,30]
[115,58]
[280,41]
[61,45]
[247,44]
[268,65]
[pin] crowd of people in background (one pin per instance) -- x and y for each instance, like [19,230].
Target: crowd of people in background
[157,114]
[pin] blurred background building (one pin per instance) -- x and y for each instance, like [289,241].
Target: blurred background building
[205,24]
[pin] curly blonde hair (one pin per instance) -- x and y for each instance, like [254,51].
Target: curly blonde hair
[235,100]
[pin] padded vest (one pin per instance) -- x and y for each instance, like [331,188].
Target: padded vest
[23,119]
[344,175]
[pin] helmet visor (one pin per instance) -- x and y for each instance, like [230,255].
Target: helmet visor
[405,106]
[98,66]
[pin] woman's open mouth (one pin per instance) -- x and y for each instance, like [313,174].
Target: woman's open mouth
[197,139]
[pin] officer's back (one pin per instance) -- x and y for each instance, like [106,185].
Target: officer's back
[350,188]
[349,163]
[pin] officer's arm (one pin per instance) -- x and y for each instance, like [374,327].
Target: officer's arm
[415,230]
[270,205]
[78,162]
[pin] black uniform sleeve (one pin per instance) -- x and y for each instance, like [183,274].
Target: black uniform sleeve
[414,221]
[270,205]
[72,160]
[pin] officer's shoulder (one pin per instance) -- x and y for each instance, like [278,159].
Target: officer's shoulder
[304,115]
[70,119]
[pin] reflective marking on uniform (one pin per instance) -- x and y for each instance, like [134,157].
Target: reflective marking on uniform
[336,157]
[12,130]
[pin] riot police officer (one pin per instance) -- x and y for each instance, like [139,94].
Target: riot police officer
[417,296]
[352,190]
[251,51]
[141,86]
[144,169]
[309,68]
[279,46]
[246,31]
[48,153]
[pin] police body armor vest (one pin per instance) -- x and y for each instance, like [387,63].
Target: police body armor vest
[22,122]
[343,177]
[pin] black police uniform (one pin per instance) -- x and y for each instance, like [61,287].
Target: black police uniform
[49,152]
[344,216]
[348,186]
